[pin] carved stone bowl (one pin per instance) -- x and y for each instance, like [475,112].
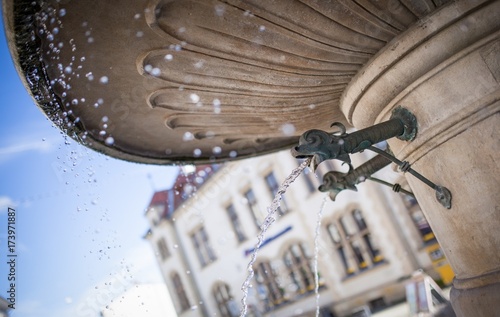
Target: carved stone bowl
[195,81]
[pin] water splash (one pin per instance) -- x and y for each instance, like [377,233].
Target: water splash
[268,221]
[316,252]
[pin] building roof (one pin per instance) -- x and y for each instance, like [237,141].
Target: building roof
[185,185]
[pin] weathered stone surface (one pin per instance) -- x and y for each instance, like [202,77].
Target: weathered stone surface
[445,71]
[194,81]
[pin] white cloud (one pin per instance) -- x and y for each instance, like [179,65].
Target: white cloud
[5,203]
[18,147]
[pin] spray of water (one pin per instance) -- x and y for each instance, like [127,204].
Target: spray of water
[268,221]
[316,252]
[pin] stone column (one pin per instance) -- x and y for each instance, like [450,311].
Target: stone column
[446,70]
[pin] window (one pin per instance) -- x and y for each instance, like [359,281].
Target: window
[273,186]
[254,208]
[181,293]
[418,218]
[297,262]
[309,178]
[358,217]
[163,249]
[225,302]
[267,285]
[372,247]
[356,248]
[354,243]
[202,247]
[235,221]
[334,234]
[347,225]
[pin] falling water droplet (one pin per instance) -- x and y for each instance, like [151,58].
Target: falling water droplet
[288,129]
[104,80]
[188,136]
[194,98]
[109,140]
[219,9]
[156,71]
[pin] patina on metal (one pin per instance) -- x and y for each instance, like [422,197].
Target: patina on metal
[334,182]
[321,145]
[443,195]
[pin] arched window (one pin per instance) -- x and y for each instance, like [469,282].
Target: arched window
[267,285]
[358,218]
[225,301]
[356,248]
[181,293]
[297,260]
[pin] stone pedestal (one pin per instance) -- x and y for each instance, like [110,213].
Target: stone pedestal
[446,70]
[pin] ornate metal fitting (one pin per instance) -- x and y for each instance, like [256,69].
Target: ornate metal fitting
[335,182]
[443,195]
[409,122]
[321,145]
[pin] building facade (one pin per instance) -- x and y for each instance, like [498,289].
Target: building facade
[204,229]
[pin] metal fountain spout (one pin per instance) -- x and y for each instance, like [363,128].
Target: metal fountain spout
[334,182]
[320,146]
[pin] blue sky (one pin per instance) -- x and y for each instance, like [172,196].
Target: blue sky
[80,215]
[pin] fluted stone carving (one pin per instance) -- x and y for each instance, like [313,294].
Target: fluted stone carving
[199,80]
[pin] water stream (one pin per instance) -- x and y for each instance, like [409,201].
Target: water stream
[268,221]
[316,252]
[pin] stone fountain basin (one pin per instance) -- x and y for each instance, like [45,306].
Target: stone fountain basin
[190,81]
